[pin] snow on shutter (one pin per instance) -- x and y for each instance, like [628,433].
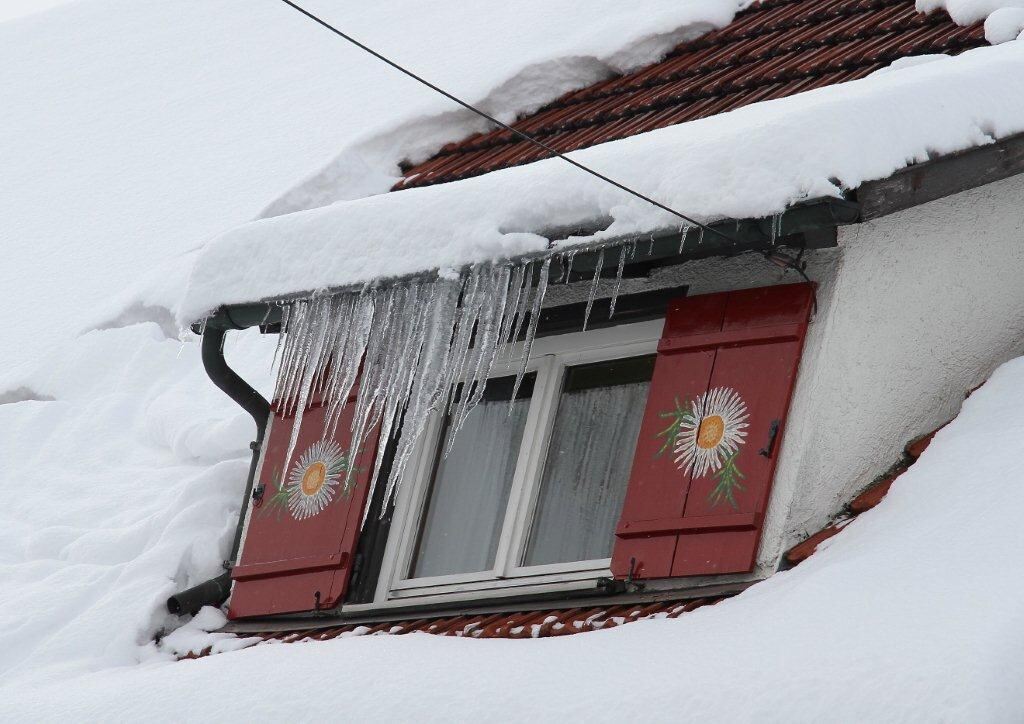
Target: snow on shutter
[711,433]
[301,538]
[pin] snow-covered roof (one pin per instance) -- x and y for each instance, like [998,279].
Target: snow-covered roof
[751,162]
[773,49]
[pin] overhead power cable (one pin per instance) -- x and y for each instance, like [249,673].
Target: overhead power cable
[526,137]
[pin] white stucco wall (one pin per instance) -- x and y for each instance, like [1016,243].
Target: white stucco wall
[924,305]
[914,310]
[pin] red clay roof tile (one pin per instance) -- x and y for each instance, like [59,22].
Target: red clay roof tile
[774,49]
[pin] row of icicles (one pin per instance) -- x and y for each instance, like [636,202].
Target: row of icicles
[409,344]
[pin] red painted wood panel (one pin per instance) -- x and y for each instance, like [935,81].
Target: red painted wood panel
[302,535]
[699,486]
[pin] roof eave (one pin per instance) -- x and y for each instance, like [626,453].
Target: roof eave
[808,225]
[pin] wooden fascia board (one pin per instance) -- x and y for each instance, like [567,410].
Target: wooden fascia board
[941,177]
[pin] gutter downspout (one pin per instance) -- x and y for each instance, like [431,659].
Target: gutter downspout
[216,590]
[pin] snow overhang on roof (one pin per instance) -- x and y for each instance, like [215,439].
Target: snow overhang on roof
[809,225]
[750,163]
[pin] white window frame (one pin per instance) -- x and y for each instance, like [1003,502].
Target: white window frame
[550,357]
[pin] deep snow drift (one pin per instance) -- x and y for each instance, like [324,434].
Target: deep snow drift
[123,468]
[912,613]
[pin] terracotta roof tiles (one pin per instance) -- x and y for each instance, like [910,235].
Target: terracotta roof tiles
[775,48]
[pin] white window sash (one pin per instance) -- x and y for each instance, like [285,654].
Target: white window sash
[549,358]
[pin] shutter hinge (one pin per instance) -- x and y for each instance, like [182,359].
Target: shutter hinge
[612,585]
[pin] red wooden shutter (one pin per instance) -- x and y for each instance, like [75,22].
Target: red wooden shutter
[725,371]
[293,553]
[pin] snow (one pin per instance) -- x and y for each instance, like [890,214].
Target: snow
[123,467]
[910,61]
[11,9]
[134,132]
[912,613]
[1004,25]
[131,132]
[751,162]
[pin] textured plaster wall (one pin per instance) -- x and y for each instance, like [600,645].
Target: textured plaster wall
[924,305]
[914,310]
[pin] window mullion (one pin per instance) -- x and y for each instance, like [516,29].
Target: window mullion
[528,467]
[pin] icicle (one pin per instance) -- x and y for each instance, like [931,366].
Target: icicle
[776,227]
[315,351]
[531,332]
[524,302]
[512,303]
[593,288]
[630,248]
[393,356]
[567,260]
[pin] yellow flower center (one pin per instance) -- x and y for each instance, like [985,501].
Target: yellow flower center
[710,432]
[314,477]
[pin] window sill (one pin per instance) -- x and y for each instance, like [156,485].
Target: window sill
[370,614]
[478,593]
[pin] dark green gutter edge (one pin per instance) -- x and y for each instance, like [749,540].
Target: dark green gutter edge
[809,225]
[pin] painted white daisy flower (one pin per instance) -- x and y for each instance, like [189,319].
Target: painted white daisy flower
[314,480]
[711,431]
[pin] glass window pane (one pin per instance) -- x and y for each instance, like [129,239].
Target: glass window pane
[468,494]
[588,461]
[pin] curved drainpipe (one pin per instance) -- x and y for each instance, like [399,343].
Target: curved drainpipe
[215,591]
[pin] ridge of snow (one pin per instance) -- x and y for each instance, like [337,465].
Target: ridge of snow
[751,162]
[370,165]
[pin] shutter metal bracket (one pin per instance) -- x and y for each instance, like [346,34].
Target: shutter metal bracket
[773,432]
